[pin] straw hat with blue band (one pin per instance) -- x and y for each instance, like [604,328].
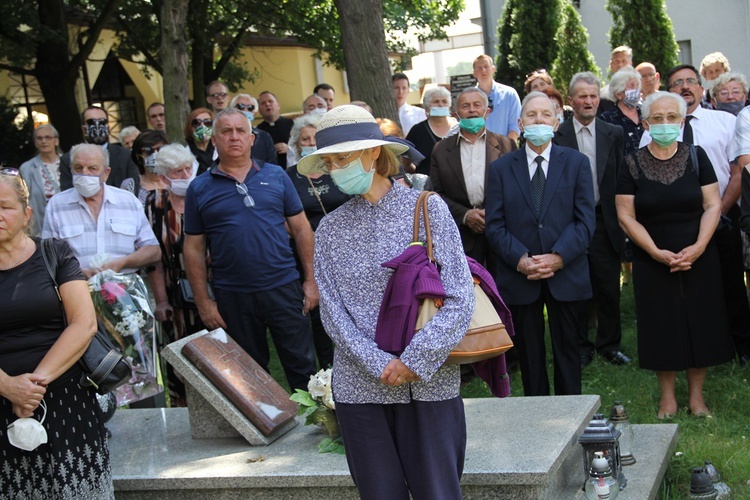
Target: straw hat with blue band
[344,129]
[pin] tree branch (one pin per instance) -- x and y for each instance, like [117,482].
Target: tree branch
[17,69]
[93,36]
[152,61]
[230,50]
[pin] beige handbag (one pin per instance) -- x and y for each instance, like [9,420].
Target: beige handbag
[486,336]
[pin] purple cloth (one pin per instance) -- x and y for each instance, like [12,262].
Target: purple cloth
[494,370]
[415,278]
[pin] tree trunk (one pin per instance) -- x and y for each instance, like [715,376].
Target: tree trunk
[55,76]
[174,60]
[365,55]
[196,18]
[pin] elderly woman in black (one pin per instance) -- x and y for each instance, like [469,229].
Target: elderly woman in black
[668,204]
[38,369]
[401,415]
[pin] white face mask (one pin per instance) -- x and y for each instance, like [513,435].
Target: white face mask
[319,111]
[28,433]
[87,185]
[180,186]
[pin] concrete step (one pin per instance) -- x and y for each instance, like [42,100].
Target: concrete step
[519,448]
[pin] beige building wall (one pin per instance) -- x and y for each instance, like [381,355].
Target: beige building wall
[290,73]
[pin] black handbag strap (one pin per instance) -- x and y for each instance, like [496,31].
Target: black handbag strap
[49,255]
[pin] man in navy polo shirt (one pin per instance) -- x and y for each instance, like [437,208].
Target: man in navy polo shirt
[237,210]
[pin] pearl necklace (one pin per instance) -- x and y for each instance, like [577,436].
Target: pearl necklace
[17,262]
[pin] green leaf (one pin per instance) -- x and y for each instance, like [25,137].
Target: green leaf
[329,445]
[303,398]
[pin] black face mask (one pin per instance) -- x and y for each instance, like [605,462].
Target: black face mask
[97,131]
[731,107]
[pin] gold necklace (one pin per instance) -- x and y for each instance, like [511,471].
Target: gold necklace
[23,252]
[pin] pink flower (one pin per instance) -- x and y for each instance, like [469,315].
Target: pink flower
[112,291]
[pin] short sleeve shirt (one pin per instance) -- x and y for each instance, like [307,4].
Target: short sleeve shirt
[506,109]
[250,248]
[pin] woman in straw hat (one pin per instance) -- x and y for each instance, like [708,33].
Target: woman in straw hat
[401,415]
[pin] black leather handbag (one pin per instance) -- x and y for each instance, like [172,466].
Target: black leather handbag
[104,367]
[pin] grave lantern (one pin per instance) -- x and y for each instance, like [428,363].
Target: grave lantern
[601,435]
[601,484]
[620,419]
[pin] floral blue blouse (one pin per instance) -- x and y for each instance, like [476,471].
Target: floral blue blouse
[350,244]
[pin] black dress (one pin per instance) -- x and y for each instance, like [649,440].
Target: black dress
[681,316]
[331,198]
[75,461]
[424,139]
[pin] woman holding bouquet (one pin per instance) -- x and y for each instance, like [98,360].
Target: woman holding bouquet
[401,416]
[38,355]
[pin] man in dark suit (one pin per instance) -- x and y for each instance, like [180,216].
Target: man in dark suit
[459,168]
[95,125]
[540,220]
[604,145]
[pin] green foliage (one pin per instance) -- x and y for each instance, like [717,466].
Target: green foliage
[526,39]
[16,144]
[316,24]
[644,26]
[332,445]
[573,54]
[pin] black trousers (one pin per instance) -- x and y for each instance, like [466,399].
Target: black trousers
[565,321]
[729,244]
[279,310]
[395,449]
[604,269]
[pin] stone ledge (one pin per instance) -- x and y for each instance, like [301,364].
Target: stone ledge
[517,448]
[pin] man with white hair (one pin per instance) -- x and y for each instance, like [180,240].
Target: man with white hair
[604,145]
[263,148]
[98,220]
[458,172]
[540,221]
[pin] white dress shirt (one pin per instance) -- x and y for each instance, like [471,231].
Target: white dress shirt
[713,131]
[586,137]
[409,116]
[741,141]
[121,229]
[474,164]
[531,160]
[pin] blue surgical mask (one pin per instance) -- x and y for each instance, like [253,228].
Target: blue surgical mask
[560,117]
[352,179]
[440,111]
[250,115]
[664,134]
[307,150]
[472,125]
[538,134]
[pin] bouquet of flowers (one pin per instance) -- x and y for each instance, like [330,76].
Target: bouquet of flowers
[123,308]
[316,404]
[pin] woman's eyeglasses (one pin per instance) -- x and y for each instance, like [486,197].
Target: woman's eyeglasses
[247,199]
[243,107]
[197,122]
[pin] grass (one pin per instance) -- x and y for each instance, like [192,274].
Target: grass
[724,438]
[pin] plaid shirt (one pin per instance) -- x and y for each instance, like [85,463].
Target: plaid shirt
[122,227]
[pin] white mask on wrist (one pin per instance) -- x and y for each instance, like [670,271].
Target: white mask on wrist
[28,433]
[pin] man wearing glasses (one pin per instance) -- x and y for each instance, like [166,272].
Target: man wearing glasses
[263,148]
[217,96]
[95,125]
[650,79]
[239,210]
[714,131]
